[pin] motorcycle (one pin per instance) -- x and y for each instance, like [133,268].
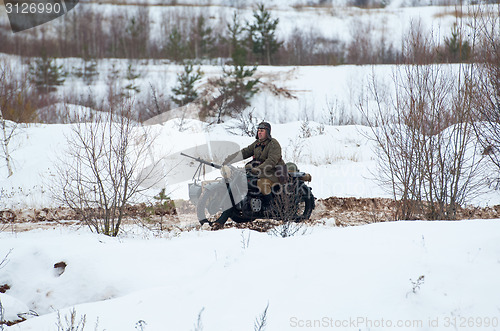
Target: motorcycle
[236,196]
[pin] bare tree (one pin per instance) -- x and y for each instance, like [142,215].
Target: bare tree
[16,105]
[8,129]
[99,176]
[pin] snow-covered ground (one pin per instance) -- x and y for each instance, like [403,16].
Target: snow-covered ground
[340,159]
[401,275]
[406,275]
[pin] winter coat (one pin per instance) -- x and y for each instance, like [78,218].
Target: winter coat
[267,153]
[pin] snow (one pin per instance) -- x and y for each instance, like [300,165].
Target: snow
[425,275]
[367,272]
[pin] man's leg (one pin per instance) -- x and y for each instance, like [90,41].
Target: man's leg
[264,186]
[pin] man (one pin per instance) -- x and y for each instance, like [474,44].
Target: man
[267,159]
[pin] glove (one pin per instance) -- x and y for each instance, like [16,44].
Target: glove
[255,170]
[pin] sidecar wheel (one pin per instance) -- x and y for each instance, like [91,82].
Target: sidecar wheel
[207,210]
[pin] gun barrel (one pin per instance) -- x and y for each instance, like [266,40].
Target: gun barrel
[216,166]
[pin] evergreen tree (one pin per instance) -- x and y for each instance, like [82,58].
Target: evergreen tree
[184,91]
[87,71]
[262,34]
[175,48]
[237,85]
[46,74]
[237,41]
[240,83]
[201,38]
[115,94]
[131,76]
[457,50]
[137,34]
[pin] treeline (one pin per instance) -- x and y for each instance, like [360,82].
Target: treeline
[90,33]
[237,45]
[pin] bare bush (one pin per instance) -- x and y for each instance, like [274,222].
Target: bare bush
[310,48]
[17,104]
[425,143]
[5,260]
[99,175]
[284,208]
[360,49]
[261,322]
[199,322]
[487,86]
[294,149]
[364,48]
[157,102]
[18,100]
[73,322]
[246,124]
[338,114]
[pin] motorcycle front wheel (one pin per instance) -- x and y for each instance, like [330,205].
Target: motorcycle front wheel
[208,209]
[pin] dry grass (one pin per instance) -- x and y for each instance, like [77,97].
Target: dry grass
[170,3]
[346,211]
[301,7]
[459,12]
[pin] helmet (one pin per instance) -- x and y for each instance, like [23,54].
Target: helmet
[266,126]
[292,167]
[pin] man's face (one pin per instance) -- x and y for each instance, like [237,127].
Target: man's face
[262,134]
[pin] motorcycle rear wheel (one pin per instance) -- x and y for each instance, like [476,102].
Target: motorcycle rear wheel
[305,205]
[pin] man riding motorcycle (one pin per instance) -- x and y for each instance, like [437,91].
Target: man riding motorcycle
[267,162]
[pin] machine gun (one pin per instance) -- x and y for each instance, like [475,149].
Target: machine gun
[216,166]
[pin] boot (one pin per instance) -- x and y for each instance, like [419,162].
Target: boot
[266,203]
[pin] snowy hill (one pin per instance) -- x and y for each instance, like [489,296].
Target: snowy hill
[402,275]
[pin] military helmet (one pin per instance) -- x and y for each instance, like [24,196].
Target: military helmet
[292,167]
[266,126]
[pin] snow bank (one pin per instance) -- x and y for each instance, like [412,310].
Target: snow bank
[398,272]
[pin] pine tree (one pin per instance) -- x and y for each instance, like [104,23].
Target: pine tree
[235,87]
[87,71]
[137,34]
[262,34]
[201,38]
[457,50]
[175,47]
[237,41]
[46,74]
[240,83]
[131,76]
[184,91]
